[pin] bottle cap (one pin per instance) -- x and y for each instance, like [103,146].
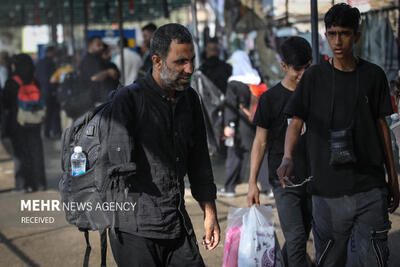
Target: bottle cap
[78,149]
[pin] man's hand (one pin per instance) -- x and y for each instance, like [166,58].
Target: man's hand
[285,171]
[253,196]
[393,197]
[211,227]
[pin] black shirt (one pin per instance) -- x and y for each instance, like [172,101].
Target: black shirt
[217,71]
[311,102]
[270,115]
[169,142]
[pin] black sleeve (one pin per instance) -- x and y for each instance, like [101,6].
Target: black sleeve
[299,103]
[231,104]
[199,166]
[263,116]
[382,103]
[122,121]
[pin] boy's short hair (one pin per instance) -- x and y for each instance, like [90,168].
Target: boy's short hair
[343,15]
[296,51]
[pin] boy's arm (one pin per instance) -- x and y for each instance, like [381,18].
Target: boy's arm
[257,156]
[393,184]
[291,140]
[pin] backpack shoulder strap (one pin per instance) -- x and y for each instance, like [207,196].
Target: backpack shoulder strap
[18,80]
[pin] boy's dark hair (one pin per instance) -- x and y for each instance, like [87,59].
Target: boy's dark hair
[93,38]
[296,51]
[343,15]
[151,27]
[163,36]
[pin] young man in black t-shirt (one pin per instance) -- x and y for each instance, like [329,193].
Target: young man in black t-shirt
[293,204]
[344,102]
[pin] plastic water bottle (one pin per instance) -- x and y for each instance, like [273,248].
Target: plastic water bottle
[78,161]
[230,141]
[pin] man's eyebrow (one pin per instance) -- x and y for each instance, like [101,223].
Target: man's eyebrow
[184,59]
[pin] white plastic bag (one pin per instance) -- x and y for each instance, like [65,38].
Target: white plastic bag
[257,239]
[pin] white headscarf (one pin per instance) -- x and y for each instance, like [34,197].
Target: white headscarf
[242,71]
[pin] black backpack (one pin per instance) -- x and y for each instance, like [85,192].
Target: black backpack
[75,99]
[102,182]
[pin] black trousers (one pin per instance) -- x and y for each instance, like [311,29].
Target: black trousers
[28,158]
[52,123]
[134,251]
[295,216]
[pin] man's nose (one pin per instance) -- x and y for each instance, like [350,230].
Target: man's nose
[189,67]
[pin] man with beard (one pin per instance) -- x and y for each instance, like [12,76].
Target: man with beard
[169,142]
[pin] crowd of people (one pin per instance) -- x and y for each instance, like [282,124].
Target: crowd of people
[53,77]
[320,132]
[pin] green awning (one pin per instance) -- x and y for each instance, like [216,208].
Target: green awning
[39,12]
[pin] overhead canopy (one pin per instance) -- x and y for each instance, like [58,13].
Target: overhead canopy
[39,12]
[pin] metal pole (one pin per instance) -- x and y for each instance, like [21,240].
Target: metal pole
[71,19]
[121,40]
[86,20]
[53,22]
[196,34]
[314,31]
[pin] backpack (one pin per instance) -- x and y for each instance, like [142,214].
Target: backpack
[73,97]
[102,182]
[31,107]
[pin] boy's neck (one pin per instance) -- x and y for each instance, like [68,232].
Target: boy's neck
[291,85]
[345,64]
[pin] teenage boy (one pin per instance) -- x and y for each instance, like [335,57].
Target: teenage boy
[293,204]
[344,102]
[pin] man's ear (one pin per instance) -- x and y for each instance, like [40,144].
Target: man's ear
[157,62]
[284,66]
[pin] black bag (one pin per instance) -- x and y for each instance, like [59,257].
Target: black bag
[74,98]
[341,147]
[102,182]
[341,142]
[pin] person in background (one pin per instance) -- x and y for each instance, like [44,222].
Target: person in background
[238,115]
[26,139]
[293,204]
[109,77]
[147,31]
[57,79]
[132,63]
[44,70]
[344,102]
[4,68]
[214,68]
[91,64]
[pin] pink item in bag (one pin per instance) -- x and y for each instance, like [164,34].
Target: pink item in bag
[231,247]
